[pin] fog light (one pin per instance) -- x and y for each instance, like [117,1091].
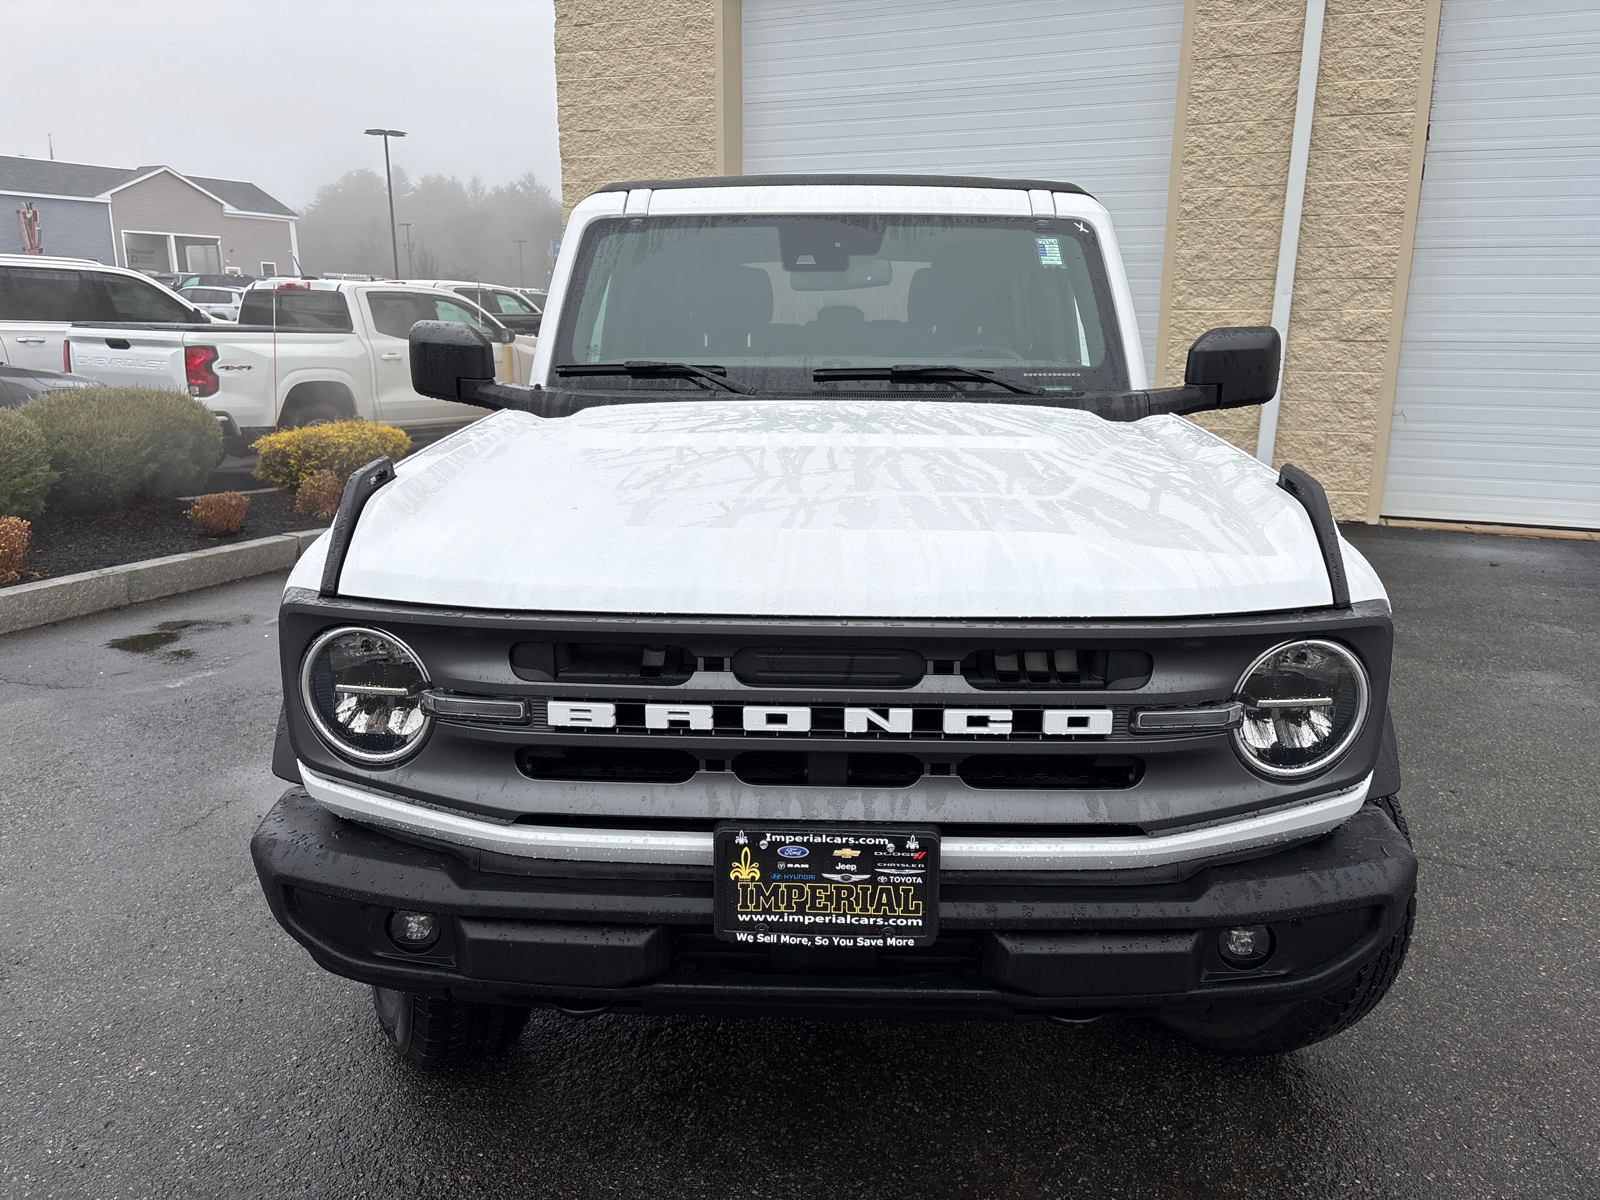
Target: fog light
[1246,945]
[413,930]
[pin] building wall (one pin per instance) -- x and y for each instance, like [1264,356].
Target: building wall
[166,204]
[1367,133]
[635,92]
[71,228]
[650,91]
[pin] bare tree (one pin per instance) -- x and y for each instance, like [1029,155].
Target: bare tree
[460,230]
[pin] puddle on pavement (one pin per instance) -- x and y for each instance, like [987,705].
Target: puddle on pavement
[164,634]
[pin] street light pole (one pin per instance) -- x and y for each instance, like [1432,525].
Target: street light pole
[388,179]
[520,243]
[406,225]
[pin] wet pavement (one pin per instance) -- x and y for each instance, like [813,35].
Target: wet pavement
[160,1036]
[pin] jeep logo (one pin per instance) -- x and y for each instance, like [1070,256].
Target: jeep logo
[786,718]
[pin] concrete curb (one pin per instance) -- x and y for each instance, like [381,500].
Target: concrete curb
[50,600]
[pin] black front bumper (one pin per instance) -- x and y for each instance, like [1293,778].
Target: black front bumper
[628,937]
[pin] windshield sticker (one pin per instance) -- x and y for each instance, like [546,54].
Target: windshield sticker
[1049,251]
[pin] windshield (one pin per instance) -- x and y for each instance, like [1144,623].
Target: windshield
[774,298]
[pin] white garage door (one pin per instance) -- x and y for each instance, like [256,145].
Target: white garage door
[1497,406]
[1033,89]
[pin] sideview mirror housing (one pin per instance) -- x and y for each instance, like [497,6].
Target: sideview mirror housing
[1242,363]
[449,361]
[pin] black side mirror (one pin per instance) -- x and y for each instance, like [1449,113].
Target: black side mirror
[1241,363]
[449,361]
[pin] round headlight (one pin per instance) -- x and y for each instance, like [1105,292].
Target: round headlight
[1304,703]
[363,690]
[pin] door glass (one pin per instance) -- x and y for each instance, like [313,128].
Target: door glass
[42,294]
[394,313]
[135,300]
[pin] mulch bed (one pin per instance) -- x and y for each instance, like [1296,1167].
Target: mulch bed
[66,543]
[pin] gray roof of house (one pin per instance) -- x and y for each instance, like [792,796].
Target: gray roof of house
[246,197]
[41,176]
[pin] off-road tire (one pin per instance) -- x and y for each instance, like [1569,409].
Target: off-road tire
[433,1032]
[1287,1027]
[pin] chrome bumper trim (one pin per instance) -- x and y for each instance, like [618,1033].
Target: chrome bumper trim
[1306,819]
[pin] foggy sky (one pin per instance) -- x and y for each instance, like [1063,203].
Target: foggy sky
[277,92]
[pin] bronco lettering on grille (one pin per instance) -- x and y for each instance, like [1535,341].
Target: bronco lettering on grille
[858,720]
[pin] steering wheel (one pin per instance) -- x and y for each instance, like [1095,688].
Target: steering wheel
[988,348]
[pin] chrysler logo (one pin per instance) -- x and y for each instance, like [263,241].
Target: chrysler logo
[785,718]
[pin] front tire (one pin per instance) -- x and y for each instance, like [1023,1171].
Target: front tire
[432,1032]
[1287,1027]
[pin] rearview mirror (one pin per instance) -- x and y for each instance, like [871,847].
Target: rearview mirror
[1241,363]
[444,355]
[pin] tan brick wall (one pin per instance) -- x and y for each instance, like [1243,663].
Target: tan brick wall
[1232,171]
[1354,241]
[635,92]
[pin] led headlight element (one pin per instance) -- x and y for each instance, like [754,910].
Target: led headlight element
[363,691]
[1304,703]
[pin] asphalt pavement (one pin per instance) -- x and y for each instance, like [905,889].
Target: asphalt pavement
[160,1036]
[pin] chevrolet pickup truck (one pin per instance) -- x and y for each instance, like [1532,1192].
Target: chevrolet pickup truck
[303,351]
[841,625]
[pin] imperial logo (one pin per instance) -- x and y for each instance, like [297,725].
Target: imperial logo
[782,718]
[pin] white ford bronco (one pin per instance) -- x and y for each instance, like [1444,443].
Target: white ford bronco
[840,624]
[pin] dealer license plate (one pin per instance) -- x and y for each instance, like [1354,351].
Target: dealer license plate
[820,885]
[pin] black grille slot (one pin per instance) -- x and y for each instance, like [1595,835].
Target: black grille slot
[600,662]
[1030,667]
[1054,771]
[780,666]
[792,768]
[604,764]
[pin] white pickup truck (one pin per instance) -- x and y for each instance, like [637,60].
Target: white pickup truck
[303,351]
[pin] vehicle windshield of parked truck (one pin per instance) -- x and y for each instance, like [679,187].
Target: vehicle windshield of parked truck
[773,298]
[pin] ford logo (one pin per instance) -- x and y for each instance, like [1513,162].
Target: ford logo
[793,851]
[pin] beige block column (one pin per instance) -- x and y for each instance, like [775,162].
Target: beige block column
[1362,185]
[637,91]
[1230,169]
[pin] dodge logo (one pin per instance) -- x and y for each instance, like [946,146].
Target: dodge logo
[786,718]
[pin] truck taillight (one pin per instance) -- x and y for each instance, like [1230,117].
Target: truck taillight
[294,287]
[66,357]
[197,362]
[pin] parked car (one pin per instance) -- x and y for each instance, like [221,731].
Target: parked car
[41,297]
[514,309]
[18,385]
[220,302]
[538,296]
[303,351]
[841,625]
[225,280]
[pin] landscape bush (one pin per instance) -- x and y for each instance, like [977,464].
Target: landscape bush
[25,474]
[319,495]
[109,445]
[287,459]
[219,514]
[15,534]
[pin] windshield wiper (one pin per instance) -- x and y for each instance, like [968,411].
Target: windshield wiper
[910,373]
[637,369]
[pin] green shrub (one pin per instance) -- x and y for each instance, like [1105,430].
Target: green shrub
[112,444]
[25,474]
[289,458]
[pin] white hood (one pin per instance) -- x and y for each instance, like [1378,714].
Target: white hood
[838,509]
